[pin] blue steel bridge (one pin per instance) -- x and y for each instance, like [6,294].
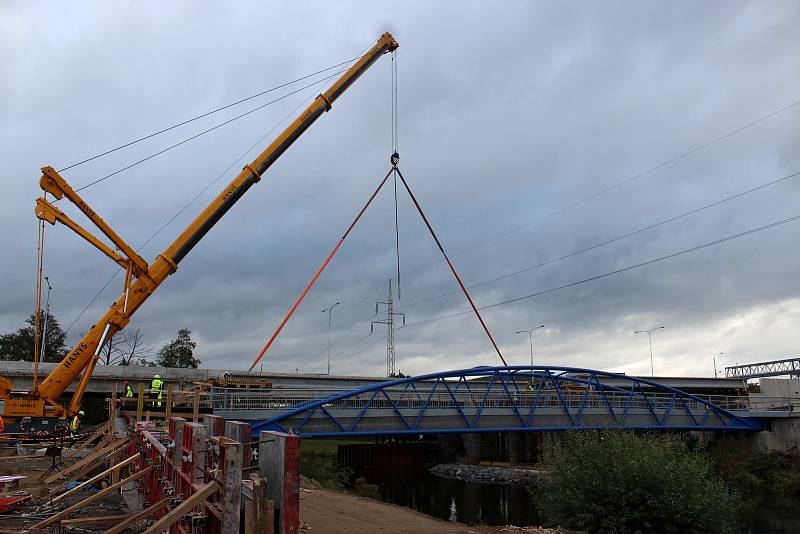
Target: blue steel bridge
[495,399]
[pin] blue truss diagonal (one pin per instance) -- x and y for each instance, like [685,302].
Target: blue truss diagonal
[582,406]
[603,395]
[332,418]
[534,402]
[668,410]
[425,406]
[458,406]
[511,398]
[483,402]
[564,404]
[396,409]
[363,411]
[309,413]
[647,401]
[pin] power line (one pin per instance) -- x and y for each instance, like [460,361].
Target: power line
[583,200]
[627,180]
[609,241]
[186,140]
[189,203]
[206,114]
[616,271]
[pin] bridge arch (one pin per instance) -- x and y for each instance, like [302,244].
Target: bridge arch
[503,399]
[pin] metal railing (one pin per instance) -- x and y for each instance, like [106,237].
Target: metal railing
[279,399]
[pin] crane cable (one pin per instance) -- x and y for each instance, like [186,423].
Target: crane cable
[189,203]
[206,114]
[450,264]
[322,267]
[395,159]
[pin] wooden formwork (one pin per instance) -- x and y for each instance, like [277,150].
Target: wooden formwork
[195,481]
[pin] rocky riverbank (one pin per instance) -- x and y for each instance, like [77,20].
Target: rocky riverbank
[485,474]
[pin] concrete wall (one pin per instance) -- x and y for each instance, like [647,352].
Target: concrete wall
[780,387]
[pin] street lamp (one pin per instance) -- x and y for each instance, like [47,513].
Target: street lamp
[330,311]
[650,337]
[715,362]
[530,338]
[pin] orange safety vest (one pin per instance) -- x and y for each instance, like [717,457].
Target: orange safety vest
[2,424]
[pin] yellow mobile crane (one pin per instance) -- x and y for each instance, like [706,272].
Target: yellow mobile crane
[142,279]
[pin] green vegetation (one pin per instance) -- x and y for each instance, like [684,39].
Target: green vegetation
[179,351]
[319,460]
[763,479]
[18,346]
[621,482]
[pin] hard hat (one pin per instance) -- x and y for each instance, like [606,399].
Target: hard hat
[125,382]
[80,412]
[156,376]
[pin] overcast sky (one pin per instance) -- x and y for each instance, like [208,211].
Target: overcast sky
[508,112]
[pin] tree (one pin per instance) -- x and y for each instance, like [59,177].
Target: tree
[178,352]
[19,345]
[620,482]
[127,348]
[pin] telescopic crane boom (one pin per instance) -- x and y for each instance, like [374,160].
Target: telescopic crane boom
[143,279]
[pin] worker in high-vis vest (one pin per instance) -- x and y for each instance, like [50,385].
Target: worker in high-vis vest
[155,390]
[127,390]
[75,425]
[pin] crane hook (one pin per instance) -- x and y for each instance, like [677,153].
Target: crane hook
[395,159]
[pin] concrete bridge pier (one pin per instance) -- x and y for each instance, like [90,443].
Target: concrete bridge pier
[783,435]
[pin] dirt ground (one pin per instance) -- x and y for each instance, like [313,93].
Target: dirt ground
[33,469]
[330,512]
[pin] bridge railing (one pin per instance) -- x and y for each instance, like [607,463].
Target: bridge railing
[279,399]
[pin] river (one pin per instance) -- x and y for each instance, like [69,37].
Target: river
[495,504]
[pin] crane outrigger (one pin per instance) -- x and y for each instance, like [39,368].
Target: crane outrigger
[141,278]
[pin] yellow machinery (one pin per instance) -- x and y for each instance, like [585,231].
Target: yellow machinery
[142,279]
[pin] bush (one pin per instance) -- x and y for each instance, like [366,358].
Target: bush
[621,482]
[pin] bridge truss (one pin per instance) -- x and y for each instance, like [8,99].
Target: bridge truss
[788,367]
[501,399]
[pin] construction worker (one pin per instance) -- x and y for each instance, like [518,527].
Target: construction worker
[75,425]
[2,425]
[155,390]
[127,390]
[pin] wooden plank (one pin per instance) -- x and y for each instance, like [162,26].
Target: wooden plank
[96,519]
[264,509]
[85,461]
[196,407]
[169,402]
[232,489]
[101,431]
[140,403]
[176,513]
[138,516]
[86,502]
[249,517]
[96,478]
[24,457]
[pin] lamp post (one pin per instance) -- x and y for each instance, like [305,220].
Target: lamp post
[330,312]
[650,337]
[715,362]
[530,338]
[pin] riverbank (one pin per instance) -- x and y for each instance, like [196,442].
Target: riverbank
[332,512]
[486,474]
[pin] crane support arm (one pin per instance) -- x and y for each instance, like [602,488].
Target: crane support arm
[52,182]
[47,212]
[83,355]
